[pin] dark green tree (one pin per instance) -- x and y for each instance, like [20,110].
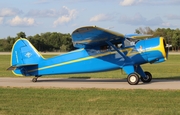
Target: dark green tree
[21,35]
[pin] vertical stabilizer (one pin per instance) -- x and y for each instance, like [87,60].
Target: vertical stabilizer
[24,54]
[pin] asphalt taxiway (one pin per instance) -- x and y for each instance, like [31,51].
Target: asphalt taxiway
[165,84]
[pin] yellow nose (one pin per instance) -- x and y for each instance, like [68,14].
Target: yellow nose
[162,47]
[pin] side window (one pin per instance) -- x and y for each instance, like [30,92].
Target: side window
[117,45]
[104,48]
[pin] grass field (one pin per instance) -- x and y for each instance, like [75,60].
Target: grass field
[169,69]
[29,101]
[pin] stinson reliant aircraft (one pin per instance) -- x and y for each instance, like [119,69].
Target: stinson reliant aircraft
[98,50]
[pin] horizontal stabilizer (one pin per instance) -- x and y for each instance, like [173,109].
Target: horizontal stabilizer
[19,66]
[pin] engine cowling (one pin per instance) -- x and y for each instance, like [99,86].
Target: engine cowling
[153,50]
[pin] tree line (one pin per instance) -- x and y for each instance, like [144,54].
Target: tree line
[172,36]
[55,42]
[49,41]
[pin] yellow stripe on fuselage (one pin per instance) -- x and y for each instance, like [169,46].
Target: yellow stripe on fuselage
[73,61]
[86,58]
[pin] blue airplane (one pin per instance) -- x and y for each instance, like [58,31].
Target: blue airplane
[98,50]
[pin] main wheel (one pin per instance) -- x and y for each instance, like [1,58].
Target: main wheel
[34,79]
[148,77]
[133,79]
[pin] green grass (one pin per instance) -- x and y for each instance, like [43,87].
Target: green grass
[25,101]
[169,69]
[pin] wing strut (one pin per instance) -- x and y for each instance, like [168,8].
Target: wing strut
[122,54]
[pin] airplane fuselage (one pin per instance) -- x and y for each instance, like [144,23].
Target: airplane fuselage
[93,60]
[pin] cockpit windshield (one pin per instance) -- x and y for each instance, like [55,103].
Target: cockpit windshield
[130,42]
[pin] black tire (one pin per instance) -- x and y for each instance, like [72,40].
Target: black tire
[133,79]
[34,79]
[148,77]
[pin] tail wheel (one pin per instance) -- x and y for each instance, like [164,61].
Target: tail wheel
[34,79]
[148,77]
[133,79]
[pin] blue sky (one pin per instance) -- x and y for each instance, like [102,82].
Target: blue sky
[124,16]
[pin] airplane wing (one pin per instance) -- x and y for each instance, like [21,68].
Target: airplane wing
[90,36]
[138,36]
